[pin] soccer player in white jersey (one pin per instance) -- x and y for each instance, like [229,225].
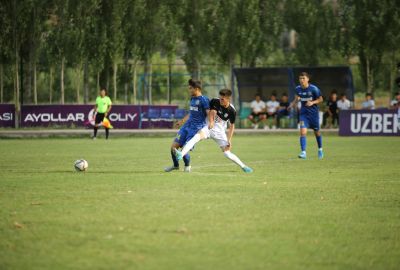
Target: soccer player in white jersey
[221,112]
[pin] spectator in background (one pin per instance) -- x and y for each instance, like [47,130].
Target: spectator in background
[343,103]
[272,110]
[283,109]
[369,103]
[331,111]
[258,111]
[395,103]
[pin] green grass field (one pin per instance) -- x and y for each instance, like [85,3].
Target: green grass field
[342,212]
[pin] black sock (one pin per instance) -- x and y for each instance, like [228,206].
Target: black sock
[107,133]
[186,159]
[174,160]
[95,131]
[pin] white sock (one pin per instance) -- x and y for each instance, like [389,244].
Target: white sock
[234,158]
[189,145]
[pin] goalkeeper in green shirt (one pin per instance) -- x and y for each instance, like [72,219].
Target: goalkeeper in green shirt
[102,108]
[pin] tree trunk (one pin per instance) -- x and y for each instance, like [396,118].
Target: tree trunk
[51,82]
[62,80]
[169,82]
[115,70]
[370,79]
[86,82]
[98,82]
[78,85]
[148,78]
[16,93]
[134,84]
[126,79]
[35,96]
[28,76]
[196,70]
[1,83]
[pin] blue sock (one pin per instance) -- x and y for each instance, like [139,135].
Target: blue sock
[186,159]
[174,160]
[319,141]
[303,143]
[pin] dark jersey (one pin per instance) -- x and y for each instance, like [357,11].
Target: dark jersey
[223,114]
[332,105]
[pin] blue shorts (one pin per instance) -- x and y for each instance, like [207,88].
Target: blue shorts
[184,135]
[309,121]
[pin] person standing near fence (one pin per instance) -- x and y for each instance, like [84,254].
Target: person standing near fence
[101,110]
[310,96]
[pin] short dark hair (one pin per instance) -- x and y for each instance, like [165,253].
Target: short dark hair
[194,83]
[103,88]
[368,95]
[225,92]
[284,95]
[303,73]
[343,94]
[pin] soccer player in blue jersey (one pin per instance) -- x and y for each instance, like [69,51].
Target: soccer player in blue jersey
[310,96]
[190,124]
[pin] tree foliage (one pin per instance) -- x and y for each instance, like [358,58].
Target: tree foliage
[94,37]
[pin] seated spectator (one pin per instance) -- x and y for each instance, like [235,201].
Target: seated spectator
[343,103]
[331,111]
[258,111]
[272,110]
[283,109]
[395,103]
[369,103]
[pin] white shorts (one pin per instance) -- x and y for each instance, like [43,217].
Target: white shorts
[218,135]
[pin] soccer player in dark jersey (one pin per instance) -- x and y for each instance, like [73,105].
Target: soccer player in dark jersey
[221,112]
[190,124]
[310,96]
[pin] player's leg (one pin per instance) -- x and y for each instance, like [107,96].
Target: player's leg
[186,160]
[107,133]
[315,125]
[274,120]
[179,139]
[221,139]
[202,134]
[262,117]
[303,136]
[98,119]
[318,137]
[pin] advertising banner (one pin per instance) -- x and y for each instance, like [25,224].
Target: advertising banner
[7,115]
[121,116]
[381,122]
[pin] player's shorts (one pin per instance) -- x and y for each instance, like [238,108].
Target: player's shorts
[184,135]
[218,135]
[307,121]
[99,118]
[260,114]
[271,115]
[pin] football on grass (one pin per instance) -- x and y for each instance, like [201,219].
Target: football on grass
[81,165]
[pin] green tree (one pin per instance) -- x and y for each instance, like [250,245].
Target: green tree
[370,29]
[316,26]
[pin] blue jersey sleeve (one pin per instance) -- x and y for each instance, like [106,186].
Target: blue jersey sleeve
[316,93]
[206,103]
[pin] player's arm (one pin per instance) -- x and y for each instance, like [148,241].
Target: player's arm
[211,118]
[182,121]
[108,110]
[314,102]
[294,102]
[230,135]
